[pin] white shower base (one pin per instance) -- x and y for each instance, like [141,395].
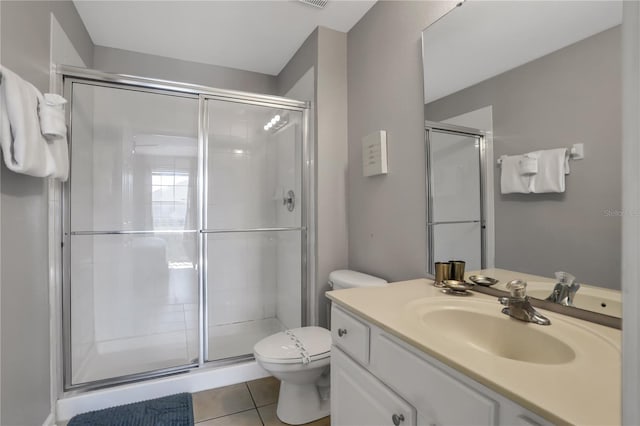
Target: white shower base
[194,381]
[229,340]
[121,357]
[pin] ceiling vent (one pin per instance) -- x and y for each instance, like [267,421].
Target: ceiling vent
[320,4]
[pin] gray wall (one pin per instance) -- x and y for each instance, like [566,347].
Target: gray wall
[25,382]
[326,51]
[305,57]
[631,225]
[141,64]
[387,214]
[331,159]
[571,96]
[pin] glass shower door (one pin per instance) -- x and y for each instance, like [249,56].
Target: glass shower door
[455,217]
[132,236]
[252,225]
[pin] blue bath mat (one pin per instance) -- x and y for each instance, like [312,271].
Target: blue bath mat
[173,410]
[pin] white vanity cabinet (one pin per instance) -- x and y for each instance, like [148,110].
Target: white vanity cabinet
[358,398]
[377,379]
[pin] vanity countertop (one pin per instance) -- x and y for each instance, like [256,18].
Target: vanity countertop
[584,391]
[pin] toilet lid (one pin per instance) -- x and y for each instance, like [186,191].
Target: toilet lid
[295,345]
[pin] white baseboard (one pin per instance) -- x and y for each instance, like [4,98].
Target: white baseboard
[50,420]
[194,381]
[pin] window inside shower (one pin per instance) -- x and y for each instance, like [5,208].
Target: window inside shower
[183,243]
[169,192]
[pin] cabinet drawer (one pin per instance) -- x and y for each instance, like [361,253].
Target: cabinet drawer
[350,334]
[359,399]
[438,397]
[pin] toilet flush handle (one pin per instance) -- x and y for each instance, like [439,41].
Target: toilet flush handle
[342,332]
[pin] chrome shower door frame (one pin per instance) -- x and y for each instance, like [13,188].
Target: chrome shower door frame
[431,127]
[306,216]
[69,76]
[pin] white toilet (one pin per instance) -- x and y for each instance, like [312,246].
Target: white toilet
[300,359]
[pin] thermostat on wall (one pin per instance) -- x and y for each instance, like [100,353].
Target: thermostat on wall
[374,154]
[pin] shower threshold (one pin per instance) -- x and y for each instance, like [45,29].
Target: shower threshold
[128,356]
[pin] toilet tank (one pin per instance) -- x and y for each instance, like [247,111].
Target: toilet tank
[345,278]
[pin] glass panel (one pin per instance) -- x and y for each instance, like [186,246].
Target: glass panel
[133,160]
[253,288]
[134,167]
[252,166]
[455,176]
[459,241]
[132,299]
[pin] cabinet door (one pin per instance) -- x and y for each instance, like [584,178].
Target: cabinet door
[440,397]
[359,399]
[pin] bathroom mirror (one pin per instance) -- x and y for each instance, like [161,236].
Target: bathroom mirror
[534,76]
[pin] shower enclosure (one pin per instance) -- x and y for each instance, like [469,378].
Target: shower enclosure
[184,225]
[456,224]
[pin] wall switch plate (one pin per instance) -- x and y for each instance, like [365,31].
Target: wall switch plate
[374,154]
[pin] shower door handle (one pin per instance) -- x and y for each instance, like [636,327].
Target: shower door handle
[289,200]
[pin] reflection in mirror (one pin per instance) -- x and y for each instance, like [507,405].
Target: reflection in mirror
[454,158]
[539,76]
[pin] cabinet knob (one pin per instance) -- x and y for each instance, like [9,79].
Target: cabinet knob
[342,332]
[397,419]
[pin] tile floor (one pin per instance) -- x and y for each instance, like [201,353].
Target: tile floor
[245,404]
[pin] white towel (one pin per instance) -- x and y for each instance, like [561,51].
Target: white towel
[24,147]
[553,165]
[511,181]
[52,120]
[528,164]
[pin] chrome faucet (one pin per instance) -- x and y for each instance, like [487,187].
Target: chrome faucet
[518,305]
[565,289]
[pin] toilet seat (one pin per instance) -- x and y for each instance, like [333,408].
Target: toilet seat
[295,346]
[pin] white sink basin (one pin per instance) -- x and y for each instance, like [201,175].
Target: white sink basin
[500,336]
[479,325]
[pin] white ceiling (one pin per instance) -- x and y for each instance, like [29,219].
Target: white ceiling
[482,39]
[256,36]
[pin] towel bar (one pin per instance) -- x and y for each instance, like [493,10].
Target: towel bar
[576,152]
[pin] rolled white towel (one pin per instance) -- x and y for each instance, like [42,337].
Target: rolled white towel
[52,119]
[528,164]
[511,181]
[25,149]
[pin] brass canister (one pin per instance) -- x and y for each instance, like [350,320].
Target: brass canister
[443,272]
[457,270]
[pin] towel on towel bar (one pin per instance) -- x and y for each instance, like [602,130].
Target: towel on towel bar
[553,165]
[511,180]
[24,147]
[529,164]
[52,120]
